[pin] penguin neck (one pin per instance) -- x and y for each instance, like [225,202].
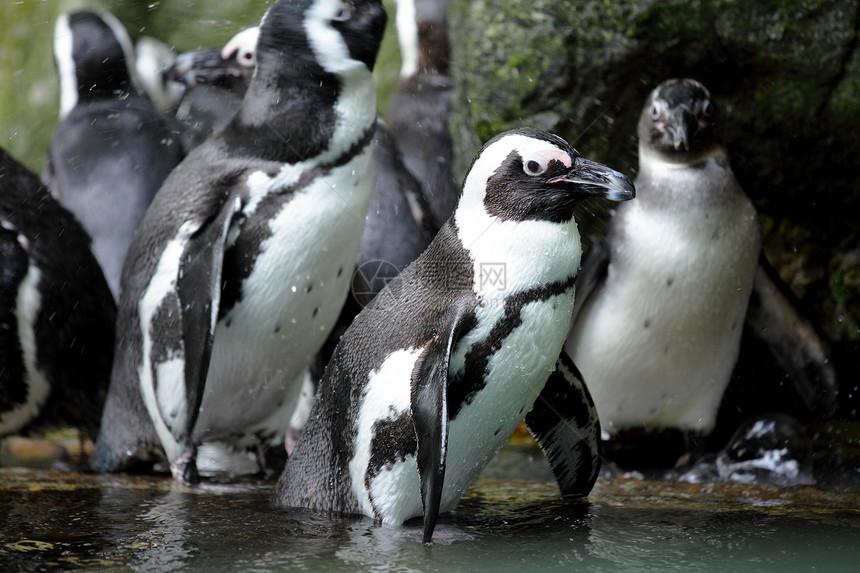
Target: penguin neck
[651,158]
[302,117]
[513,256]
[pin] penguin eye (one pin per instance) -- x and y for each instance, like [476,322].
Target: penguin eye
[707,108]
[655,111]
[246,59]
[534,167]
[343,14]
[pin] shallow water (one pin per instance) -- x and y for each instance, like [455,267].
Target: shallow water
[62,520]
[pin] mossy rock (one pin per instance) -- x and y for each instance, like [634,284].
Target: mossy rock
[786,74]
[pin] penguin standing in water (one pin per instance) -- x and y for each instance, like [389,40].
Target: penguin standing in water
[111,151]
[56,311]
[431,378]
[242,263]
[674,279]
[420,106]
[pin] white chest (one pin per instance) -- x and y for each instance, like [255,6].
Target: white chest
[289,304]
[657,343]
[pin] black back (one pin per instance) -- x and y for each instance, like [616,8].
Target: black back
[75,325]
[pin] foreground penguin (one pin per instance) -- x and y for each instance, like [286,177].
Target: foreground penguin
[242,263]
[111,151]
[56,311]
[433,376]
[672,279]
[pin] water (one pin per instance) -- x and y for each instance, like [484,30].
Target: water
[52,520]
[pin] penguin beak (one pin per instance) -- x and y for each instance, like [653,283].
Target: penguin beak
[598,180]
[204,66]
[680,128]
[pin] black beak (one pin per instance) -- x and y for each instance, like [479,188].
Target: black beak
[680,124]
[204,66]
[598,180]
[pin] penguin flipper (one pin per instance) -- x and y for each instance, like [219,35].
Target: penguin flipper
[199,290]
[430,416]
[794,341]
[564,422]
[591,274]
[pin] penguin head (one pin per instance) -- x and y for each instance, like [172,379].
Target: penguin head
[339,36]
[230,67]
[530,175]
[94,56]
[679,121]
[242,49]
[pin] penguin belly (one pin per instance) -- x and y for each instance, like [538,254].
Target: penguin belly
[515,375]
[289,304]
[657,345]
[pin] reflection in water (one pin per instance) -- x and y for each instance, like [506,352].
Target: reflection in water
[51,520]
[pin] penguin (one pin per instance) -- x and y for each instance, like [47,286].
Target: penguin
[215,81]
[56,311]
[434,375]
[242,263]
[152,61]
[673,281]
[399,223]
[419,108]
[111,150]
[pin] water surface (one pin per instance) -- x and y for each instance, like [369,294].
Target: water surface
[53,520]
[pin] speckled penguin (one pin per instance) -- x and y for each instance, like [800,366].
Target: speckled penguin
[111,150]
[433,376]
[675,277]
[241,265]
[56,311]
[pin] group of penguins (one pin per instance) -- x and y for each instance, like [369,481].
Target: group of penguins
[177,282]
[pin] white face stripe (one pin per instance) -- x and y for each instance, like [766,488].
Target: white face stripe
[328,45]
[474,188]
[63,46]
[407,37]
[245,42]
[65,65]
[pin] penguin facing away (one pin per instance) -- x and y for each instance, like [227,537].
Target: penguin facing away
[671,282]
[111,150]
[56,311]
[434,375]
[420,106]
[242,264]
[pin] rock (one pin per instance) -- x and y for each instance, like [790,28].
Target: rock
[785,73]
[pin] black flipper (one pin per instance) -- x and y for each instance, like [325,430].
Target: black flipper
[564,422]
[591,274]
[430,416]
[794,341]
[199,290]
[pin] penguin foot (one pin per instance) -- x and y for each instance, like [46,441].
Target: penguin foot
[184,469]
